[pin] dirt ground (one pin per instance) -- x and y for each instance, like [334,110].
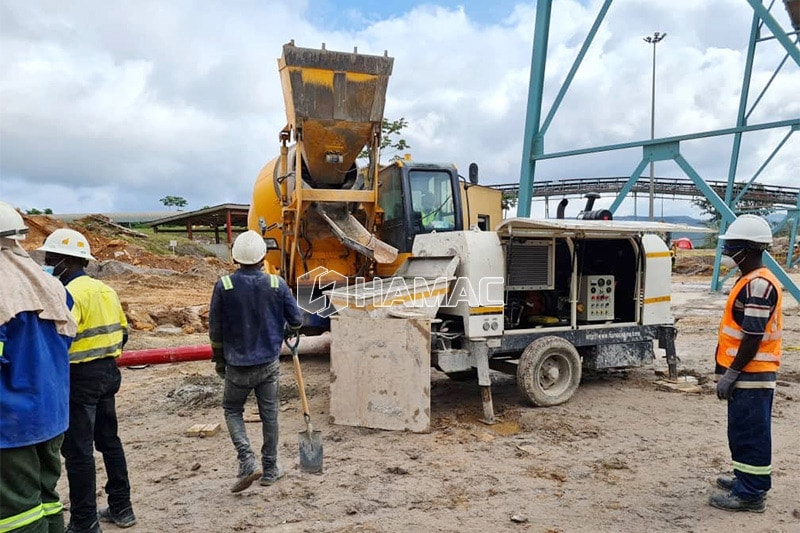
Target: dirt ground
[623,455]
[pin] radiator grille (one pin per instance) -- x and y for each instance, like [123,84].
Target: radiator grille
[530,265]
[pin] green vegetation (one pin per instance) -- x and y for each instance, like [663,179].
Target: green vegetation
[35,211]
[745,205]
[509,200]
[174,201]
[390,128]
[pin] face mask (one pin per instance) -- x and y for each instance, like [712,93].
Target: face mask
[729,256]
[50,269]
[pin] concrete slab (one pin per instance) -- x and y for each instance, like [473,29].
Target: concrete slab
[381,373]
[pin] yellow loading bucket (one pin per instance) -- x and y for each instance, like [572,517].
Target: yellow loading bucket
[334,101]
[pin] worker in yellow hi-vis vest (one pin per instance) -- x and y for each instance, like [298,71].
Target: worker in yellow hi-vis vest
[94,382]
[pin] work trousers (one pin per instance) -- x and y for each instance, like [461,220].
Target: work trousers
[750,441]
[239,381]
[29,502]
[93,422]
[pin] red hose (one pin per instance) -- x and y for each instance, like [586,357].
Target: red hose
[156,356]
[315,344]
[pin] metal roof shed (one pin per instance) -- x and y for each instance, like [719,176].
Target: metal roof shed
[228,216]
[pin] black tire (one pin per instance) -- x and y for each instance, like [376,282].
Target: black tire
[549,371]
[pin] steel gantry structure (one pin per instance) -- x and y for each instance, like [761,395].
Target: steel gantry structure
[668,148]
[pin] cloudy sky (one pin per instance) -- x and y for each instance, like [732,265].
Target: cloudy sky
[110,106]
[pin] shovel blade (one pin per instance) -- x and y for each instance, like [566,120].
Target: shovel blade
[311,451]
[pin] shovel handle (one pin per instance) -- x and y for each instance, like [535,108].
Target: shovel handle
[301,387]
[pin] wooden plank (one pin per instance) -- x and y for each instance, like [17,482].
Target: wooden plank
[680,386]
[203,430]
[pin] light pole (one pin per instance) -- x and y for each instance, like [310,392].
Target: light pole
[654,40]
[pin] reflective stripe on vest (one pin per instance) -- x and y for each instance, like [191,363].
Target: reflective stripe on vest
[767,359]
[22,519]
[227,282]
[101,320]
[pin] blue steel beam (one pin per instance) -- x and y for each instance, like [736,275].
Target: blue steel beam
[780,34]
[729,216]
[578,60]
[761,168]
[533,143]
[637,173]
[740,117]
[794,122]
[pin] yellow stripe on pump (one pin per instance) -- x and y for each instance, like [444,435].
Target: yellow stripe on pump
[486,310]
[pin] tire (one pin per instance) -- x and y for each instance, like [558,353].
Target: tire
[549,371]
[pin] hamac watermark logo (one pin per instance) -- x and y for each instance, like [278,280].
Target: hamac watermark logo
[310,287]
[314,287]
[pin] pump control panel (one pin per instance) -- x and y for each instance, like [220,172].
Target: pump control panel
[596,294]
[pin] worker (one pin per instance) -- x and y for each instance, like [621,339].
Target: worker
[94,382]
[429,210]
[249,312]
[36,329]
[747,360]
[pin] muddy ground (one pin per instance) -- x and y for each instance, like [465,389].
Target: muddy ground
[623,455]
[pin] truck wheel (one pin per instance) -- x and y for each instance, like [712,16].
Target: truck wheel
[549,371]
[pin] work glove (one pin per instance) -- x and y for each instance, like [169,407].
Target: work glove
[725,384]
[290,331]
[218,357]
[219,368]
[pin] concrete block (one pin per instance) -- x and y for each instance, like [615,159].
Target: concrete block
[381,373]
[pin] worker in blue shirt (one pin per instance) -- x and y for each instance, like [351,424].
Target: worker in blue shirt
[248,315]
[36,329]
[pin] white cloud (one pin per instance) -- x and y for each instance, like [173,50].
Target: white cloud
[111,106]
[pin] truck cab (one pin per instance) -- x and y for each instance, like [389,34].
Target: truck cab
[418,198]
[421,198]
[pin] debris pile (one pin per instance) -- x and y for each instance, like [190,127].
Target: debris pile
[143,279]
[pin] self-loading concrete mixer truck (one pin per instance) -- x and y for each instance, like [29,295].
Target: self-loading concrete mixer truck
[329,219]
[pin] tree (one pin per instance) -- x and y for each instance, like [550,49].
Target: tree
[174,201]
[748,204]
[509,200]
[389,129]
[34,211]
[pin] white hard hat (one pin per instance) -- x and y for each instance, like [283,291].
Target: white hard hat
[65,241]
[249,248]
[11,224]
[751,228]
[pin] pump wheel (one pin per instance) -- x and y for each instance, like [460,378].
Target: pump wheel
[549,371]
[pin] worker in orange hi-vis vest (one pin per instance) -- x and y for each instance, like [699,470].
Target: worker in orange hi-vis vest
[747,360]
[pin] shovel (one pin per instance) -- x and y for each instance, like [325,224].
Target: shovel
[310,440]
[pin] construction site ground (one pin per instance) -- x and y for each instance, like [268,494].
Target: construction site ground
[625,454]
